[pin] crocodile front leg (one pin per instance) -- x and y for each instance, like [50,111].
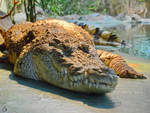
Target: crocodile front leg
[119,65]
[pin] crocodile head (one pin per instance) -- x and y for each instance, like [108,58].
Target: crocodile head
[68,59]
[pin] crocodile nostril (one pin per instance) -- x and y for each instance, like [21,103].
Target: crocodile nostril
[105,69]
[109,72]
[103,72]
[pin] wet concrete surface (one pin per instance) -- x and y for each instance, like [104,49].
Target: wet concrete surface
[19,95]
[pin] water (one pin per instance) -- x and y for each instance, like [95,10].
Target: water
[137,38]
[140,47]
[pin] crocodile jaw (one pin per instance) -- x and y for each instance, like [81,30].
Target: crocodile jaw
[79,83]
[90,85]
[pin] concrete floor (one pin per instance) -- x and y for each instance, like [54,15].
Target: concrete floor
[19,95]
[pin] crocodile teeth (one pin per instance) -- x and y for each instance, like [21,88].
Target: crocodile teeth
[79,83]
[92,80]
[86,81]
[65,77]
[71,78]
[82,77]
[56,77]
[79,77]
[75,78]
[75,85]
[71,84]
[93,85]
[65,71]
[90,85]
[96,86]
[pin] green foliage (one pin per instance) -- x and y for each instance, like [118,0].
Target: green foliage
[67,7]
[141,0]
[104,11]
[10,4]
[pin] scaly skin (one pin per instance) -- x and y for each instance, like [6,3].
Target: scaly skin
[118,64]
[97,33]
[60,53]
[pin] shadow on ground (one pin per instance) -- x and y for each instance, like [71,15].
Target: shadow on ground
[93,100]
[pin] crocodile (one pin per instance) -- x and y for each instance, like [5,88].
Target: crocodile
[99,35]
[62,54]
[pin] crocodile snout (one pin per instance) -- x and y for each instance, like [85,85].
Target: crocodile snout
[96,80]
[104,76]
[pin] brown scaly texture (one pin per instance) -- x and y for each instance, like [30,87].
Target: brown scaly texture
[118,64]
[26,35]
[15,38]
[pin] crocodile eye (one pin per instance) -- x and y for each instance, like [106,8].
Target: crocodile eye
[84,48]
[67,51]
[29,37]
[56,41]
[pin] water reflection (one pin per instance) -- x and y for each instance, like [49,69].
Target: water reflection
[137,37]
[140,47]
[93,100]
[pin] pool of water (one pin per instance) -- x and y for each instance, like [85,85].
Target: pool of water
[140,47]
[137,38]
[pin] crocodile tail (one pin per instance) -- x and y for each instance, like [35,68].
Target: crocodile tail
[98,33]
[119,65]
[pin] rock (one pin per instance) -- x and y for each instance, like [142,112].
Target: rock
[19,17]
[40,14]
[5,23]
[69,17]
[39,11]
[121,16]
